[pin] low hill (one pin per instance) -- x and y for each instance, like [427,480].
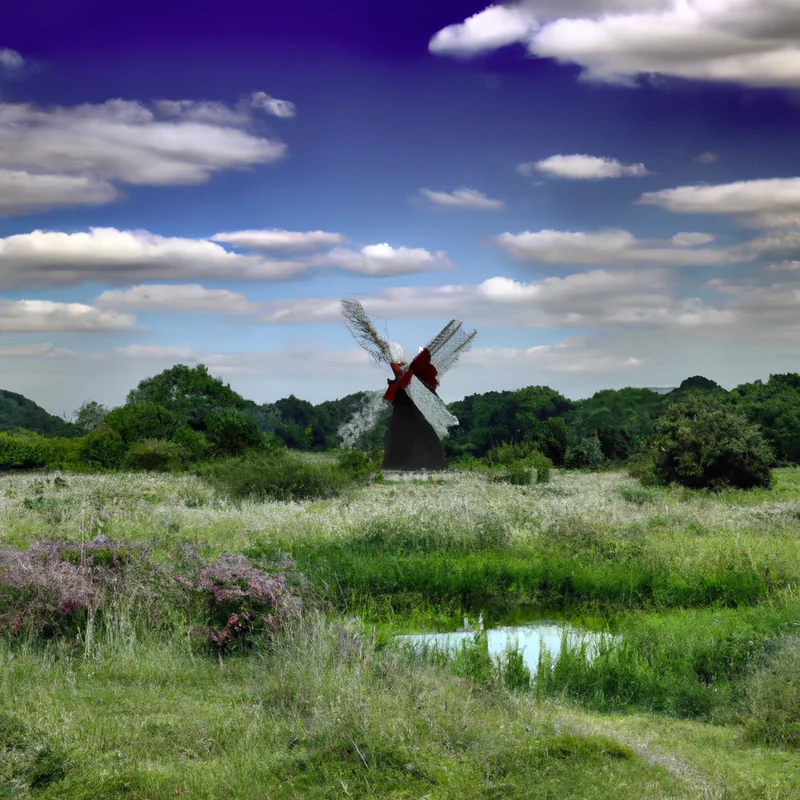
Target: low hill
[17,411]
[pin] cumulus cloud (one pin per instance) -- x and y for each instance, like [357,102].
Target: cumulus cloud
[595,299]
[108,255]
[35,316]
[766,203]
[275,239]
[583,167]
[157,352]
[572,355]
[383,260]
[750,42]
[463,198]
[691,239]
[497,26]
[278,108]
[22,192]
[612,247]
[97,145]
[34,351]
[11,60]
[179,297]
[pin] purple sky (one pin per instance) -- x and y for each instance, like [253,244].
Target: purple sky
[606,189]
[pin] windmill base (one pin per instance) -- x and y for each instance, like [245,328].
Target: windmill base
[411,442]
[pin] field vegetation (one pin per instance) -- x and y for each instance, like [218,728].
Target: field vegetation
[170,635]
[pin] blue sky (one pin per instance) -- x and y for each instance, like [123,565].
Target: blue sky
[606,189]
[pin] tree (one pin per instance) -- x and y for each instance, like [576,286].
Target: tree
[699,382]
[584,454]
[136,422]
[89,415]
[701,443]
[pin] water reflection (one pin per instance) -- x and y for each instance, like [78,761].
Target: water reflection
[532,640]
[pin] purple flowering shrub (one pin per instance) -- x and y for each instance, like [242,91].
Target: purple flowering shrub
[51,588]
[240,603]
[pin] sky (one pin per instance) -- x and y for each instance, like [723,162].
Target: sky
[607,190]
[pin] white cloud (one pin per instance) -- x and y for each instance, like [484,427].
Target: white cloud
[595,299]
[165,144]
[274,239]
[278,108]
[750,42]
[583,167]
[108,255]
[11,60]
[34,351]
[611,247]
[767,203]
[34,316]
[158,352]
[181,297]
[691,239]
[786,266]
[383,260]
[463,198]
[572,355]
[22,192]
[497,26]
[707,158]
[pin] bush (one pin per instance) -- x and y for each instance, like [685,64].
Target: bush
[156,455]
[231,432]
[518,474]
[518,458]
[18,453]
[194,443]
[585,454]
[700,443]
[276,477]
[360,465]
[774,695]
[241,603]
[642,467]
[101,449]
[139,421]
[542,464]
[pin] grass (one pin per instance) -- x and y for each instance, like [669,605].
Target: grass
[699,701]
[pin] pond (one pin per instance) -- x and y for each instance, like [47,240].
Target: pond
[532,640]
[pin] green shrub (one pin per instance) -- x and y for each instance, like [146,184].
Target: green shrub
[774,695]
[194,443]
[139,421]
[360,465]
[231,432]
[638,495]
[585,454]
[700,443]
[519,474]
[101,449]
[156,455]
[21,453]
[276,477]
[642,467]
[542,464]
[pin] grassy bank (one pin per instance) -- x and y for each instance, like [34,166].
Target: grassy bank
[128,702]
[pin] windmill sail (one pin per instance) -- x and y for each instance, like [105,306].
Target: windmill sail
[419,417]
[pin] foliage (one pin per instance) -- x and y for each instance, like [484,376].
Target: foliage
[360,465]
[642,467]
[774,699]
[241,604]
[103,448]
[21,453]
[231,432]
[89,415]
[136,422]
[585,454]
[276,477]
[194,443]
[700,443]
[17,411]
[156,455]
[698,382]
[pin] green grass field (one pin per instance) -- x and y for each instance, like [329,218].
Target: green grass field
[701,699]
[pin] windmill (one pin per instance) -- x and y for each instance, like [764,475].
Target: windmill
[419,417]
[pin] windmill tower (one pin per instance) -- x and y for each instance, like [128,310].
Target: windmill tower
[420,420]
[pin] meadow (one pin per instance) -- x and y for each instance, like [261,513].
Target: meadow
[121,690]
